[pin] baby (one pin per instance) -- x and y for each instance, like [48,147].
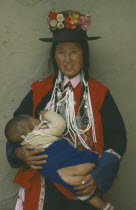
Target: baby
[66,165]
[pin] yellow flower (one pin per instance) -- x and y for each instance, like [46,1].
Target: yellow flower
[73,21]
[75,15]
[74,18]
[55,10]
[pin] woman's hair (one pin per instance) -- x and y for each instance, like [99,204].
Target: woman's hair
[85,49]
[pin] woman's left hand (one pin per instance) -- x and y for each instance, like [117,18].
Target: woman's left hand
[88,186]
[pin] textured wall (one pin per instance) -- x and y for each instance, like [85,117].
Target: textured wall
[23,59]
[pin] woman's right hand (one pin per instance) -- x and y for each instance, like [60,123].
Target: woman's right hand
[28,155]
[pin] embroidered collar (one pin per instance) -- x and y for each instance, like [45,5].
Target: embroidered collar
[74,81]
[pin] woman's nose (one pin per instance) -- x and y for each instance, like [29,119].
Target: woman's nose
[67,58]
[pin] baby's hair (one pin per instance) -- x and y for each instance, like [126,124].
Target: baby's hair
[16,127]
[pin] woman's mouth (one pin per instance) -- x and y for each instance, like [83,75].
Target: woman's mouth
[68,67]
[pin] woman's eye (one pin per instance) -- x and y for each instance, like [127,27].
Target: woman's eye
[75,51]
[60,52]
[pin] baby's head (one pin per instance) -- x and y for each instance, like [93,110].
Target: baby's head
[18,126]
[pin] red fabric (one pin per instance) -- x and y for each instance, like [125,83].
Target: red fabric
[64,191]
[30,179]
[32,194]
[24,177]
[97,94]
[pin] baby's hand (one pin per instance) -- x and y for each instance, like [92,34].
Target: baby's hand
[41,114]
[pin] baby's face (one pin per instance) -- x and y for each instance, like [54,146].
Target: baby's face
[34,122]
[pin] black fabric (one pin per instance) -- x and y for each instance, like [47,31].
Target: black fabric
[26,106]
[68,35]
[44,102]
[55,200]
[114,131]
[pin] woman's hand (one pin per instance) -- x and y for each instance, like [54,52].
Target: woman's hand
[27,154]
[88,186]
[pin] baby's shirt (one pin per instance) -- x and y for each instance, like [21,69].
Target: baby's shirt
[48,131]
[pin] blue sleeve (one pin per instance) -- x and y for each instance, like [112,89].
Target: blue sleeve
[14,162]
[25,107]
[106,171]
[114,134]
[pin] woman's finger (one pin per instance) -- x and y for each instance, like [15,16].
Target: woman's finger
[35,167]
[87,191]
[87,179]
[28,147]
[88,186]
[82,187]
[37,163]
[37,158]
[36,151]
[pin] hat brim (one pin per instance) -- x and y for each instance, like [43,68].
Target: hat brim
[69,35]
[67,40]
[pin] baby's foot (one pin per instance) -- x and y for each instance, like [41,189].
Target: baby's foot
[109,206]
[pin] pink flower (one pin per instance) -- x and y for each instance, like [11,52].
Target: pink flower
[81,20]
[87,20]
[84,27]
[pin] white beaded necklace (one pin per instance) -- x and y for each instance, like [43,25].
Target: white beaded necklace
[71,120]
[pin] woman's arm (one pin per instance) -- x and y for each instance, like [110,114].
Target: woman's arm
[114,133]
[25,107]
[115,142]
[17,155]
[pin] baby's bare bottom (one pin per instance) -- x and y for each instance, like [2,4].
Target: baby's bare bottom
[74,175]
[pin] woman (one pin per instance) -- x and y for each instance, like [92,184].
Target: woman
[93,119]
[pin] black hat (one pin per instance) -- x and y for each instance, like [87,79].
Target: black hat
[68,26]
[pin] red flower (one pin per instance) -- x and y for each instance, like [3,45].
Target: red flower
[68,25]
[67,19]
[52,15]
[73,26]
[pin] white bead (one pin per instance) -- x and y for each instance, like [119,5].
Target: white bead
[86,106]
[85,96]
[59,94]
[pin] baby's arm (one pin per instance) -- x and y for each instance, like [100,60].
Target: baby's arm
[56,123]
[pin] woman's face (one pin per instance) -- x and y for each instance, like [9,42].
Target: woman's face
[69,58]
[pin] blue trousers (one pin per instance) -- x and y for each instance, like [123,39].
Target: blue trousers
[61,154]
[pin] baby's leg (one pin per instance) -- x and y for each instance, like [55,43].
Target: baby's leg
[74,175]
[100,204]
[97,202]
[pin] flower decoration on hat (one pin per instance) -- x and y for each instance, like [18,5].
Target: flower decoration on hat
[68,20]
